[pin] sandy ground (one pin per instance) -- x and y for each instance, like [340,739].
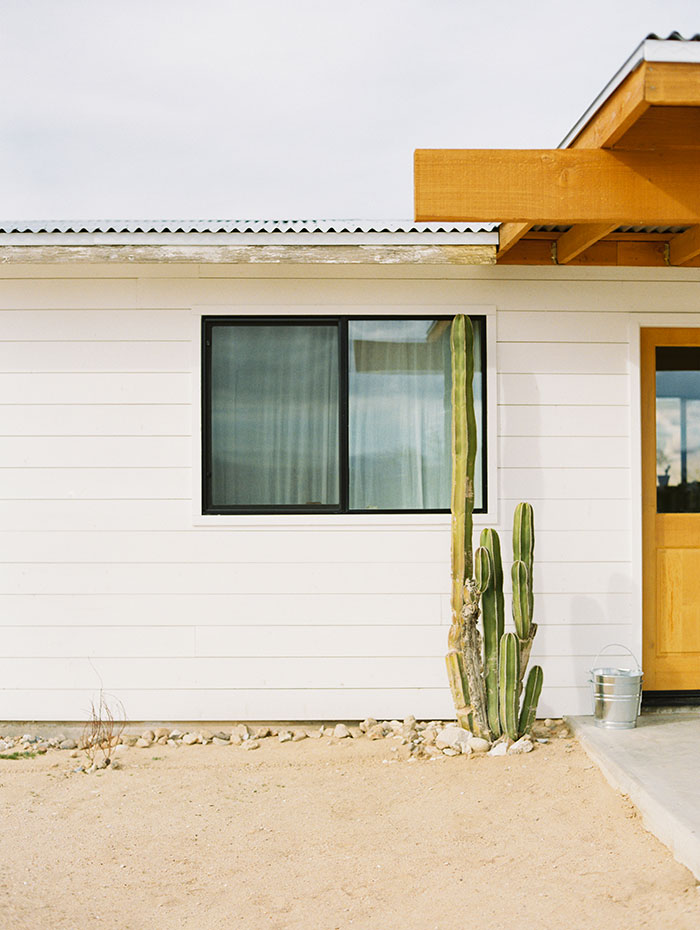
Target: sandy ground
[317,836]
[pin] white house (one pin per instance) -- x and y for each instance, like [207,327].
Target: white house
[225,461]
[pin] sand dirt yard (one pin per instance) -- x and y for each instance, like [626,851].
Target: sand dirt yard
[312,836]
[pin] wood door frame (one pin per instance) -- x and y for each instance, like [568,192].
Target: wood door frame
[649,338]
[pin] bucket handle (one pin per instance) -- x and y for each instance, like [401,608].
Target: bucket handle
[618,646]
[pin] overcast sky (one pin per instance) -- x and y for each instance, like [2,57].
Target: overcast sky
[287,108]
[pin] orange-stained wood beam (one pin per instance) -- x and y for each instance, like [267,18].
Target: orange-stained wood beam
[579,238]
[685,246]
[617,114]
[509,234]
[661,84]
[560,186]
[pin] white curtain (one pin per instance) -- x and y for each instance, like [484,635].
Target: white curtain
[274,415]
[400,414]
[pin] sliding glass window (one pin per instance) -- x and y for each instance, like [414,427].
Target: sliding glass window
[331,415]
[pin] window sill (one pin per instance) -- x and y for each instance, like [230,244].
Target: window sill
[434,521]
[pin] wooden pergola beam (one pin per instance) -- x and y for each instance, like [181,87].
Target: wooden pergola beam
[579,238]
[558,187]
[685,246]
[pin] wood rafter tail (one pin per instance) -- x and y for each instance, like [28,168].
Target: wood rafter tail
[509,234]
[577,239]
[684,247]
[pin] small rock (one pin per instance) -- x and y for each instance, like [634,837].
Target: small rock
[221,735]
[501,747]
[409,721]
[4,745]
[368,724]
[452,737]
[549,723]
[143,743]
[161,732]
[175,734]
[479,745]
[149,735]
[162,740]
[542,739]
[341,731]
[524,744]
[68,744]
[80,768]
[28,738]
[221,742]
[251,744]
[449,751]
[376,732]
[206,736]
[129,739]
[315,734]
[116,764]
[429,736]
[565,733]
[190,738]
[260,733]
[285,736]
[299,735]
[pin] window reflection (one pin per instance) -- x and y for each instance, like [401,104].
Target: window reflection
[678,429]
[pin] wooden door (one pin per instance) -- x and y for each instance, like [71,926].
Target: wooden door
[670,374]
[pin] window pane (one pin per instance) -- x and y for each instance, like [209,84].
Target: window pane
[678,429]
[400,412]
[274,415]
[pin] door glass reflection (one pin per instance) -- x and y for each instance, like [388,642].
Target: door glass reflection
[678,429]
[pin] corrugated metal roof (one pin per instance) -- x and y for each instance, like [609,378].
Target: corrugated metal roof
[246,227]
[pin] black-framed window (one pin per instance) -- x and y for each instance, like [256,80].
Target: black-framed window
[332,414]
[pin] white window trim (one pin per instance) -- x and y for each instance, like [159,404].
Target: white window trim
[434,521]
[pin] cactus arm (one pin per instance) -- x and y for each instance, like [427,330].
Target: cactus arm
[492,618]
[508,679]
[521,599]
[533,689]
[524,542]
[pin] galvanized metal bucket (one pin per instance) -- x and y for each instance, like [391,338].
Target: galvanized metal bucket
[617,693]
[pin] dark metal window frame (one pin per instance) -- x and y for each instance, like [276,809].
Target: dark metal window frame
[341,324]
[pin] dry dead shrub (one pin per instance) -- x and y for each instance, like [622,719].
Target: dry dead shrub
[103,730]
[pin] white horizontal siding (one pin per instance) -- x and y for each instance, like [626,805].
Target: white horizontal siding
[98,387]
[287,546]
[560,420]
[83,356]
[279,641]
[105,572]
[93,420]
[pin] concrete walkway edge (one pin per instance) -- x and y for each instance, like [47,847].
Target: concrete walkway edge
[675,831]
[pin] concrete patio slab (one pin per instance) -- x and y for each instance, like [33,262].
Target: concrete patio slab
[657,765]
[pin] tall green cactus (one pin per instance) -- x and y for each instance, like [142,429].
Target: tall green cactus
[493,614]
[486,684]
[463,459]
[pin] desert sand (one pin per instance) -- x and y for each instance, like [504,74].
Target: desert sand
[317,836]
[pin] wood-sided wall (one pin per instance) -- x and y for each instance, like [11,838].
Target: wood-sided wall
[108,577]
